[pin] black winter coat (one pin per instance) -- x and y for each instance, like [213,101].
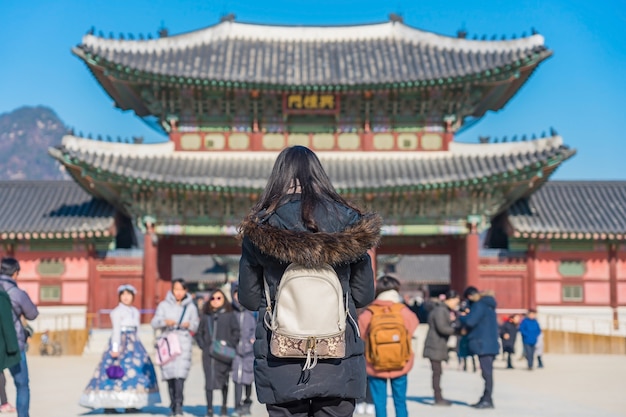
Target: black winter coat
[216,372]
[269,246]
[9,347]
[439,330]
[22,305]
[482,326]
[508,345]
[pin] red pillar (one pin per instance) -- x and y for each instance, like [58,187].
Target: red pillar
[150,274]
[93,318]
[613,283]
[256,141]
[367,141]
[471,257]
[458,280]
[531,258]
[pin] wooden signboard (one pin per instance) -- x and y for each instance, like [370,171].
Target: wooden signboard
[297,103]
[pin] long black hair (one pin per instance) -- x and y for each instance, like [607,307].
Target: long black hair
[298,168]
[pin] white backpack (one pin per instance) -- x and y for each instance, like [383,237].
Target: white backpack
[308,319]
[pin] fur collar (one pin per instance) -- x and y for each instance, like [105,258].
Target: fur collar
[314,249]
[390,295]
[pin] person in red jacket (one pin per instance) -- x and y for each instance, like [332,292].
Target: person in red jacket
[387,294]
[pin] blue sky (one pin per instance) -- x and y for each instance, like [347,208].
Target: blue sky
[580,91]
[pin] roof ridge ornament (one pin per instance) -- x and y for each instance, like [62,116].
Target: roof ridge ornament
[163,32]
[230,17]
[396,18]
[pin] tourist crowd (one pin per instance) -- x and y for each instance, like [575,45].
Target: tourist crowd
[307,323]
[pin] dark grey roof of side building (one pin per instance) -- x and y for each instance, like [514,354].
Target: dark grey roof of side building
[307,55]
[572,207]
[51,207]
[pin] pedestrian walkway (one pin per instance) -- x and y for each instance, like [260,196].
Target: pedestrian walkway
[572,386]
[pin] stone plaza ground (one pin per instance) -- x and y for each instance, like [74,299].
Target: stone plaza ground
[569,385]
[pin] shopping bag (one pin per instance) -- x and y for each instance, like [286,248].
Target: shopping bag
[167,348]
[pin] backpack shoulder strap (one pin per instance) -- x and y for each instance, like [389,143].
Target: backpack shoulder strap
[397,307]
[375,308]
[268,308]
[182,316]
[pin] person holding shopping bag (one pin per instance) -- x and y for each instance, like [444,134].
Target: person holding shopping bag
[177,318]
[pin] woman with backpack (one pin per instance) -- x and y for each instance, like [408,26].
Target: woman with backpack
[177,315]
[300,220]
[217,325]
[388,319]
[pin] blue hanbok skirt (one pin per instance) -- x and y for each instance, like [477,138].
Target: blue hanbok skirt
[136,389]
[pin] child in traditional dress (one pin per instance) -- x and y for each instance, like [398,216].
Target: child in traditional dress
[134,388]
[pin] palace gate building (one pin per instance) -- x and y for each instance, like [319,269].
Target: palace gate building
[381,105]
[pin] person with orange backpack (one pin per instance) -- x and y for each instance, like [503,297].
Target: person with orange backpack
[387,327]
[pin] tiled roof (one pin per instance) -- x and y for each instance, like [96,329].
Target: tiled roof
[425,269]
[294,56]
[572,210]
[462,165]
[50,209]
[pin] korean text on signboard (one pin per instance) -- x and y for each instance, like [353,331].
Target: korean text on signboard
[311,103]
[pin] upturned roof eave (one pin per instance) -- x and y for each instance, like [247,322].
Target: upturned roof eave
[128,175]
[125,73]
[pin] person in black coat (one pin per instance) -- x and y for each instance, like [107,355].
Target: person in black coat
[508,334]
[218,322]
[440,328]
[482,337]
[243,363]
[9,347]
[300,218]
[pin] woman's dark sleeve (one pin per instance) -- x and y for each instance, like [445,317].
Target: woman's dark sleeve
[362,281]
[235,331]
[250,277]
[201,334]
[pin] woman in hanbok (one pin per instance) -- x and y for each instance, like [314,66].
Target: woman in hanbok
[177,314]
[130,382]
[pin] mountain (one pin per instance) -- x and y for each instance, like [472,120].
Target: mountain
[25,135]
